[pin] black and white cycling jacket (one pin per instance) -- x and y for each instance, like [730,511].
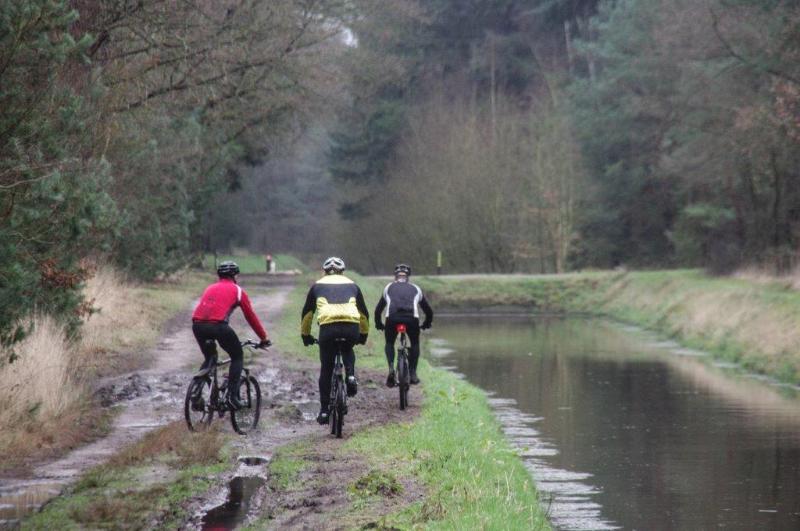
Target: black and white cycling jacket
[402,299]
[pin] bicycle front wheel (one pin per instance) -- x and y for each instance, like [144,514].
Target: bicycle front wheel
[245,420]
[197,405]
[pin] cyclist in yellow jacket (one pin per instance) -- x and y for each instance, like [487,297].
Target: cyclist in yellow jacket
[341,314]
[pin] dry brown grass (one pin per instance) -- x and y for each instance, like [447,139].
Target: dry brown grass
[41,383]
[119,316]
[188,448]
[106,293]
[762,276]
[749,319]
[50,437]
[46,392]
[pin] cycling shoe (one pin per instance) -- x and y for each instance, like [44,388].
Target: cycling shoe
[352,386]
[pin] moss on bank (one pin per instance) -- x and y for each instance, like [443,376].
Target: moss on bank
[756,325]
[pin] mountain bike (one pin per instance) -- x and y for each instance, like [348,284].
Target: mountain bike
[206,397]
[337,407]
[403,371]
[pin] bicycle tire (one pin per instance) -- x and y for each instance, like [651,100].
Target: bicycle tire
[332,410]
[341,409]
[332,420]
[198,420]
[245,420]
[404,381]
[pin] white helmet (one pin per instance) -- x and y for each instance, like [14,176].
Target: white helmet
[334,264]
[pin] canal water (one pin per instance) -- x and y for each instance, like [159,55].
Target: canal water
[622,431]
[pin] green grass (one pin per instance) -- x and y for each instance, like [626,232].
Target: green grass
[376,482]
[255,263]
[538,293]
[456,451]
[286,466]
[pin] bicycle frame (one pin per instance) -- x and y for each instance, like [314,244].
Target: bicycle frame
[217,399]
[403,336]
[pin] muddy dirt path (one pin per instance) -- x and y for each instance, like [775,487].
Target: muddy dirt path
[154,397]
[148,399]
[319,493]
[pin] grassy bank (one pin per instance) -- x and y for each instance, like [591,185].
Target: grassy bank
[47,391]
[455,449]
[473,479]
[253,263]
[755,324]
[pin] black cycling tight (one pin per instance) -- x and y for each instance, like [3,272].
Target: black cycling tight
[228,340]
[328,347]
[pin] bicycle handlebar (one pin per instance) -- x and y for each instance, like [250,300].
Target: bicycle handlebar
[254,344]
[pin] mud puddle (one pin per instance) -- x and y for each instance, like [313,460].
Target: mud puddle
[235,510]
[241,500]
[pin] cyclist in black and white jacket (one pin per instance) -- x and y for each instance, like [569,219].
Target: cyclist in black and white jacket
[400,304]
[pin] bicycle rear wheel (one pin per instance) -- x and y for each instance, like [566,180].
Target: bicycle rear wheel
[197,405]
[245,420]
[403,379]
[341,410]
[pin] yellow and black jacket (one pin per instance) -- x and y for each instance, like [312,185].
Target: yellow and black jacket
[335,299]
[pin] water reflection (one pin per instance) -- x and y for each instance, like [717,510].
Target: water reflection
[670,440]
[234,511]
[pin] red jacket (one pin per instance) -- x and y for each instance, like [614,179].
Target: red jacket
[220,299]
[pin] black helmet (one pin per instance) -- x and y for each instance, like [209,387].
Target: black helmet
[402,269]
[334,264]
[227,269]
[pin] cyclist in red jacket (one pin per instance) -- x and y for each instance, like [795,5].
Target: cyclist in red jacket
[210,323]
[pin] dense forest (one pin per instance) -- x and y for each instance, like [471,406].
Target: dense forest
[123,124]
[511,135]
[548,135]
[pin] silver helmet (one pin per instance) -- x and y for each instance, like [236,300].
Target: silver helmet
[332,265]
